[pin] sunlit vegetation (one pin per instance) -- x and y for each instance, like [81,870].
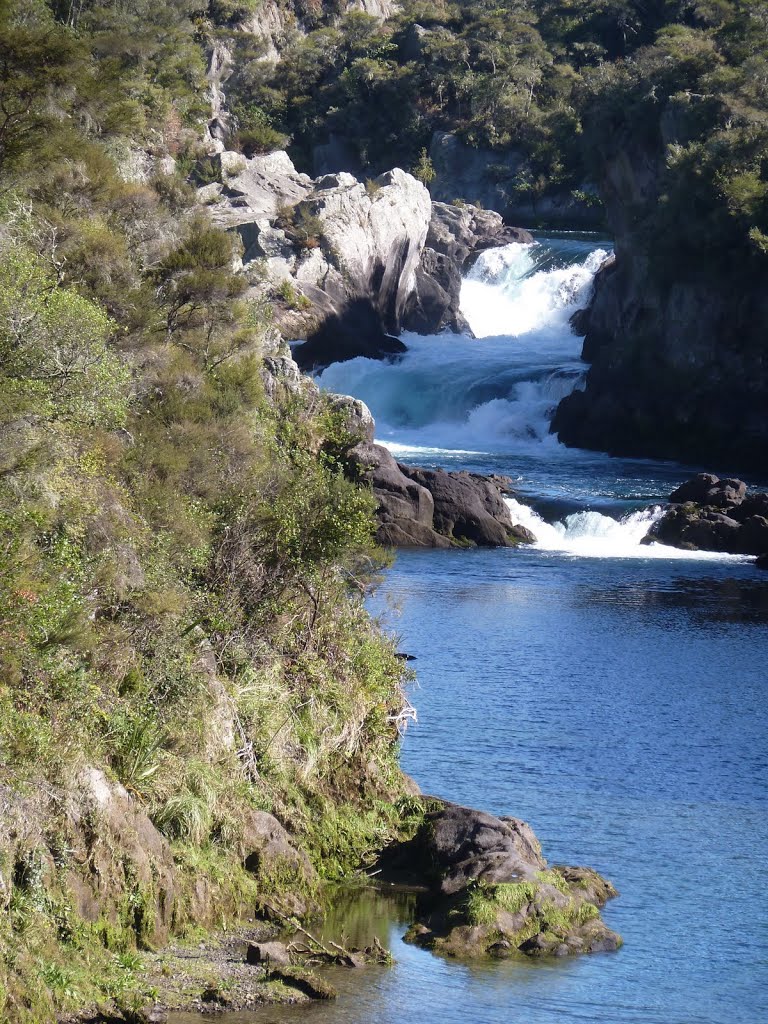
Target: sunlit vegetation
[182,560]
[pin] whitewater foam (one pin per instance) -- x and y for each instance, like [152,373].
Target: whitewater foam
[498,390]
[591,534]
[507,293]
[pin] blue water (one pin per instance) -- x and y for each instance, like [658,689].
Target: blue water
[621,708]
[618,704]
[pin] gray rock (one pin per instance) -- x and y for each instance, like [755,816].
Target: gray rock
[753,536]
[467,845]
[486,177]
[258,187]
[270,953]
[351,251]
[677,351]
[707,489]
[711,514]
[267,849]
[469,508]
[406,509]
[433,508]
[357,418]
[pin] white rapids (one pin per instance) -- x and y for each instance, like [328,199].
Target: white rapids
[488,401]
[453,393]
[591,534]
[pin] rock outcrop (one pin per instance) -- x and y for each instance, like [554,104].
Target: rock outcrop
[114,859]
[347,265]
[676,344]
[342,256]
[710,514]
[272,20]
[488,177]
[457,234]
[489,891]
[435,508]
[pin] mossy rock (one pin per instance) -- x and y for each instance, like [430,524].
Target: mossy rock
[554,913]
[306,982]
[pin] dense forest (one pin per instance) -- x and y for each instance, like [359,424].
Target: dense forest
[181,552]
[564,83]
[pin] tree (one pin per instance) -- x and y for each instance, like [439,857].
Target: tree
[55,364]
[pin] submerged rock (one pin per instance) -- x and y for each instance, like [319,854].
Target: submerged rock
[490,892]
[434,508]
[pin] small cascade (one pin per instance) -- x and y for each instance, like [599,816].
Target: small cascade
[514,290]
[590,534]
[499,390]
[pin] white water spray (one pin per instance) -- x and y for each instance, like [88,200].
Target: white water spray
[591,534]
[505,293]
[497,391]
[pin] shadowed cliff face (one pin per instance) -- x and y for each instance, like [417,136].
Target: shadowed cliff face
[675,338]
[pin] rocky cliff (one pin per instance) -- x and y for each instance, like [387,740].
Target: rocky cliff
[492,179]
[676,344]
[347,264]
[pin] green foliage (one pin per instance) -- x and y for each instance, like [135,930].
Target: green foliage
[136,743]
[255,133]
[287,292]
[181,560]
[692,98]
[55,364]
[424,169]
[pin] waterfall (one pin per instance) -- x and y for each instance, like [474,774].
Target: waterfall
[486,403]
[461,394]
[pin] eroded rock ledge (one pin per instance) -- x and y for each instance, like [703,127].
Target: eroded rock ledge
[490,891]
[710,514]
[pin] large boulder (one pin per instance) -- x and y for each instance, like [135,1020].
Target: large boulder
[710,514]
[488,890]
[434,508]
[469,508]
[707,489]
[405,509]
[466,845]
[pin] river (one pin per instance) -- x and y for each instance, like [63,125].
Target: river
[611,694]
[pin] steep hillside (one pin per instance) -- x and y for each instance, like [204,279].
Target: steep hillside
[197,717]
